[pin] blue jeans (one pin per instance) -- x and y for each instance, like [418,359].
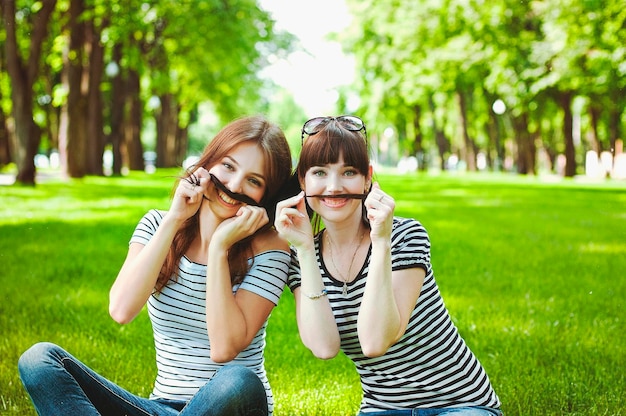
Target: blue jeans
[454,411]
[59,384]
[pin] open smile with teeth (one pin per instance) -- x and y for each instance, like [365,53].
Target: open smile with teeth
[335,202]
[227,199]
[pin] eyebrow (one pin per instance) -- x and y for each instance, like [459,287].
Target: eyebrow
[343,167]
[255,174]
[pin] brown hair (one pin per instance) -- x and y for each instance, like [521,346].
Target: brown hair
[274,150]
[326,146]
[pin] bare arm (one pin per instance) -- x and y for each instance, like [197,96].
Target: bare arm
[234,320]
[138,275]
[316,323]
[386,308]
[389,297]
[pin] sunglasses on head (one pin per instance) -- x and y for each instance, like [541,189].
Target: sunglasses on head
[315,125]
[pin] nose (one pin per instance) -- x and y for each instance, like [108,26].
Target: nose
[235,184]
[334,182]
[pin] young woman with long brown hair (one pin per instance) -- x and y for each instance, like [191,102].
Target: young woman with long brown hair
[210,270]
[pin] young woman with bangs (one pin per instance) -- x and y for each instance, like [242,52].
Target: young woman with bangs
[210,270]
[364,284]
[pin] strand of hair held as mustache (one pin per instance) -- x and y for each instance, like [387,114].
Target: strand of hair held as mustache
[195,180]
[340,196]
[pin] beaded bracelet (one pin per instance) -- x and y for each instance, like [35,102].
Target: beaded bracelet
[316,295]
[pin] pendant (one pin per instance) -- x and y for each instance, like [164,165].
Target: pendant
[345,288]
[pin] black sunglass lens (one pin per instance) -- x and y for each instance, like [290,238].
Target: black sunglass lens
[351,123]
[313,126]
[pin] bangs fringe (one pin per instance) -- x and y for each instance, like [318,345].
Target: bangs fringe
[329,144]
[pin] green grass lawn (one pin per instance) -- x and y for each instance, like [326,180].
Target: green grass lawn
[533,273]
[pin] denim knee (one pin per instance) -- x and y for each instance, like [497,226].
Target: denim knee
[31,365]
[236,371]
[239,377]
[233,390]
[35,356]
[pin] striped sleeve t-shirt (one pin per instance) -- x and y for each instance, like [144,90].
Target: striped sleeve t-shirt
[430,366]
[178,316]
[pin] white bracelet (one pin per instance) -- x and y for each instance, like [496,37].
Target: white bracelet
[316,295]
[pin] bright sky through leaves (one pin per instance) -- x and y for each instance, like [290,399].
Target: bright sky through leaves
[313,75]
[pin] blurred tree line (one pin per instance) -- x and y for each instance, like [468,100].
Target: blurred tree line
[81,75]
[434,69]
[508,79]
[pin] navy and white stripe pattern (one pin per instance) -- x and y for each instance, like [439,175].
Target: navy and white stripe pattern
[178,316]
[430,366]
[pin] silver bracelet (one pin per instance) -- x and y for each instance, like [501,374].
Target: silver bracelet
[316,295]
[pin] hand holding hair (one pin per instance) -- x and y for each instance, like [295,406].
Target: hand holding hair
[292,221]
[189,194]
[380,208]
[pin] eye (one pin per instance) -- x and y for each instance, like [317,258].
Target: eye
[227,165]
[318,172]
[351,172]
[255,182]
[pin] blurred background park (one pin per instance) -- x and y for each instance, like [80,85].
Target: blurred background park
[497,124]
[93,87]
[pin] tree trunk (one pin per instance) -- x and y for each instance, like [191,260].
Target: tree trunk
[52,113]
[594,114]
[133,127]
[118,100]
[25,141]
[418,142]
[565,101]
[526,149]
[469,147]
[95,128]
[5,152]
[494,131]
[615,116]
[167,126]
[182,144]
[76,151]
[443,144]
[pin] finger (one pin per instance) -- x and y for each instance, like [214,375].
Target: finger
[185,190]
[286,217]
[290,202]
[244,212]
[292,212]
[258,214]
[377,199]
[202,173]
[253,215]
[301,206]
[255,218]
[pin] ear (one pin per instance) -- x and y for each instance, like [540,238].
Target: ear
[368,178]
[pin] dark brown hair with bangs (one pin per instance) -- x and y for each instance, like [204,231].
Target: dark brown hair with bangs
[325,147]
[328,144]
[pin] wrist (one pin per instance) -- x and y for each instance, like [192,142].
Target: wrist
[307,250]
[381,244]
[216,249]
[173,219]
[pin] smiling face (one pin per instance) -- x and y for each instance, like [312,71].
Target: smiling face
[334,161]
[334,179]
[241,171]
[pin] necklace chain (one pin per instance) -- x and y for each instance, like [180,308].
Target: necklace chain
[332,259]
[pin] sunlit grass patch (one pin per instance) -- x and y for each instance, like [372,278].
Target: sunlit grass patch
[531,272]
